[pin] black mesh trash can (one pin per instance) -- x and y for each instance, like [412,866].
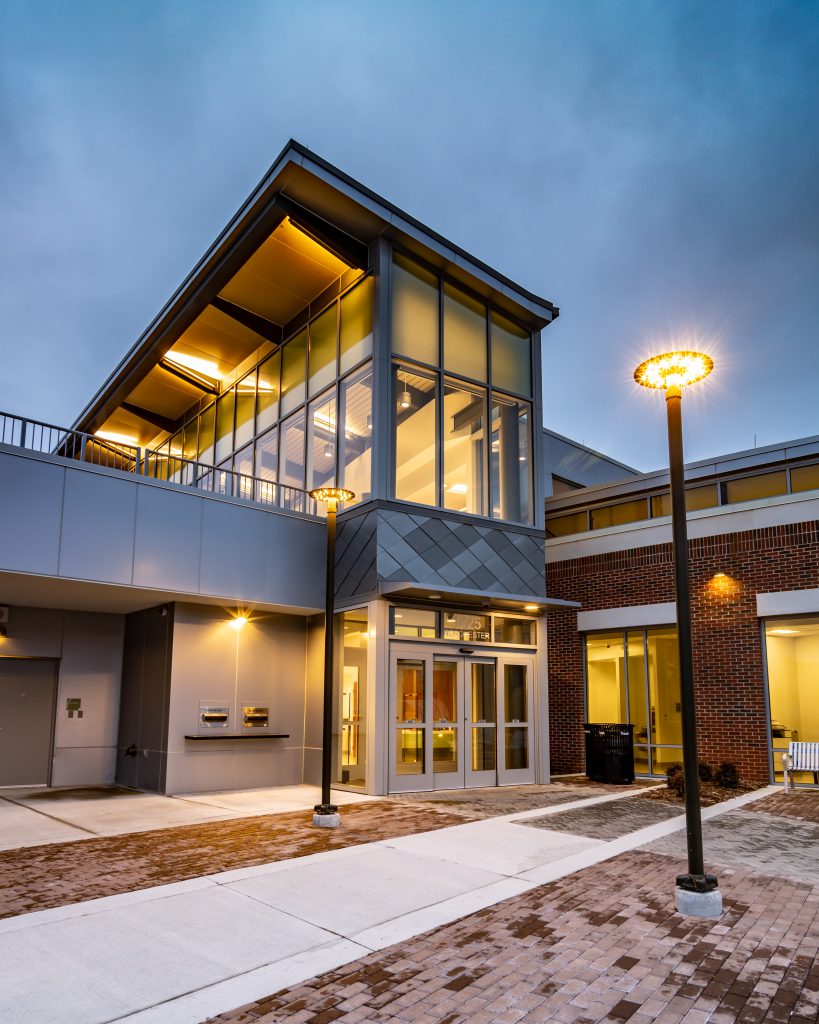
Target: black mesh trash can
[609,752]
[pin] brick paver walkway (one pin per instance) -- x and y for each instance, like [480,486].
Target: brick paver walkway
[607,821]
[475,804]
[38,877]
[802,804]
[603,944]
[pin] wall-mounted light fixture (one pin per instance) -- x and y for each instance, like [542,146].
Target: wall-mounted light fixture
[238,622]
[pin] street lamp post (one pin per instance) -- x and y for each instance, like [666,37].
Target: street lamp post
[697,893]
[326,814]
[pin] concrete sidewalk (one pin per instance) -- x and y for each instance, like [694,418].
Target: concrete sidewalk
[36,816]
[178,953]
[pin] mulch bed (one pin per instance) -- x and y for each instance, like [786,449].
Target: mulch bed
[709,794]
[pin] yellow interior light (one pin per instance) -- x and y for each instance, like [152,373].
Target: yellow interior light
[111,435]
[187,362]
[673,370]
[531,607]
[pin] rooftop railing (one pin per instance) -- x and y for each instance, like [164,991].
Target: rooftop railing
[35,436]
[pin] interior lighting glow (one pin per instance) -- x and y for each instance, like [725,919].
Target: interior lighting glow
[187,362]
[238,622]
[785,632]
[673,370]
[110,435]
[531,607]
[405,401]
[458,489]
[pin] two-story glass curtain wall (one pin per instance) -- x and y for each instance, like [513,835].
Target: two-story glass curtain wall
[301,418]
[634,677]
[462,389]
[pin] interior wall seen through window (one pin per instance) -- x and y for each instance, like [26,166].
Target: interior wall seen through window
[350,700]
[792,651]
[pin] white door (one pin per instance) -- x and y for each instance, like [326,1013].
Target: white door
[516,762]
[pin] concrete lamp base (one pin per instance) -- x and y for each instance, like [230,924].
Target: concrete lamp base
[698,904]
[327,820]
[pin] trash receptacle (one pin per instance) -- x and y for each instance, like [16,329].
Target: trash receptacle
[610,752]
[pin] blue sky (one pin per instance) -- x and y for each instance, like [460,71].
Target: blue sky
[653,168]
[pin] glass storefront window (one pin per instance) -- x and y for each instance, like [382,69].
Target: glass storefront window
[190,435]
[224,426]
[356,439]
[321,443]
[356,341]
[466,626]
[322,363]
[464,448]
[350,734]
[464,334]
[792,650]
[267,399]
[634,677]
[413,622]
[414,311]
[410,699]
[414,397]
[511,356]
[243,468]
[294,364]
[510,460]
[510,630]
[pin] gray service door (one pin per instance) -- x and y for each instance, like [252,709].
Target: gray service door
[27,692]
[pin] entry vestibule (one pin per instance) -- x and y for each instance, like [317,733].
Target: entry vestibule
[459,719]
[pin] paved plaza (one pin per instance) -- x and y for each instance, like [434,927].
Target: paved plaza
[559,906]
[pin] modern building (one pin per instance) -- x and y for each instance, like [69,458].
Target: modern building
[162,563]
[753,528]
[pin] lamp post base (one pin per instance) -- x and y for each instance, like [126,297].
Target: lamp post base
[326,816]
[698,903]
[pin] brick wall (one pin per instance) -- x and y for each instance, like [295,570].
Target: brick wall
[728,670]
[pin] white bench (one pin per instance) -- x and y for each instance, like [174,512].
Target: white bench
[801,757]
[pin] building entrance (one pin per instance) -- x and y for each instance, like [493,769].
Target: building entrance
[459,721]
[27,691]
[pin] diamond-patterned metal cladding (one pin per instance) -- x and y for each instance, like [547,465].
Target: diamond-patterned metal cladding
[388,545]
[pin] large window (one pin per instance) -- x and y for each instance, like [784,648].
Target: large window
[416,429]
[326,364]
[463,432]
[356,439]
[464,448]
[510,460]
[634,677]
[792,647]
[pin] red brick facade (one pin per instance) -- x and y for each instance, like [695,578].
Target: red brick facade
[727,639]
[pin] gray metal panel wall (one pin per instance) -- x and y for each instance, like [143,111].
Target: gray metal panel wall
[390,545]
[30,515]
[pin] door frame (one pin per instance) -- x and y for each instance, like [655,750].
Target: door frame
[516,776]
[55,665]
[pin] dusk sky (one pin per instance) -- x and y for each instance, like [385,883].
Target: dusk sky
[650,167]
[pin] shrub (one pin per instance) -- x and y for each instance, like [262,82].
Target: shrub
[706,772]
[675,779]
[727,775]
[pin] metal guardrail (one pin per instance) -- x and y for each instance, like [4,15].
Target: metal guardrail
[35,436]
[214,480]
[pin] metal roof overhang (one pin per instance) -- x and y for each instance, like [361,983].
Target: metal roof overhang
[497,601]
[340,213]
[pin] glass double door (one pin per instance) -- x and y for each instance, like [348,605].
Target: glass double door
[459,721]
